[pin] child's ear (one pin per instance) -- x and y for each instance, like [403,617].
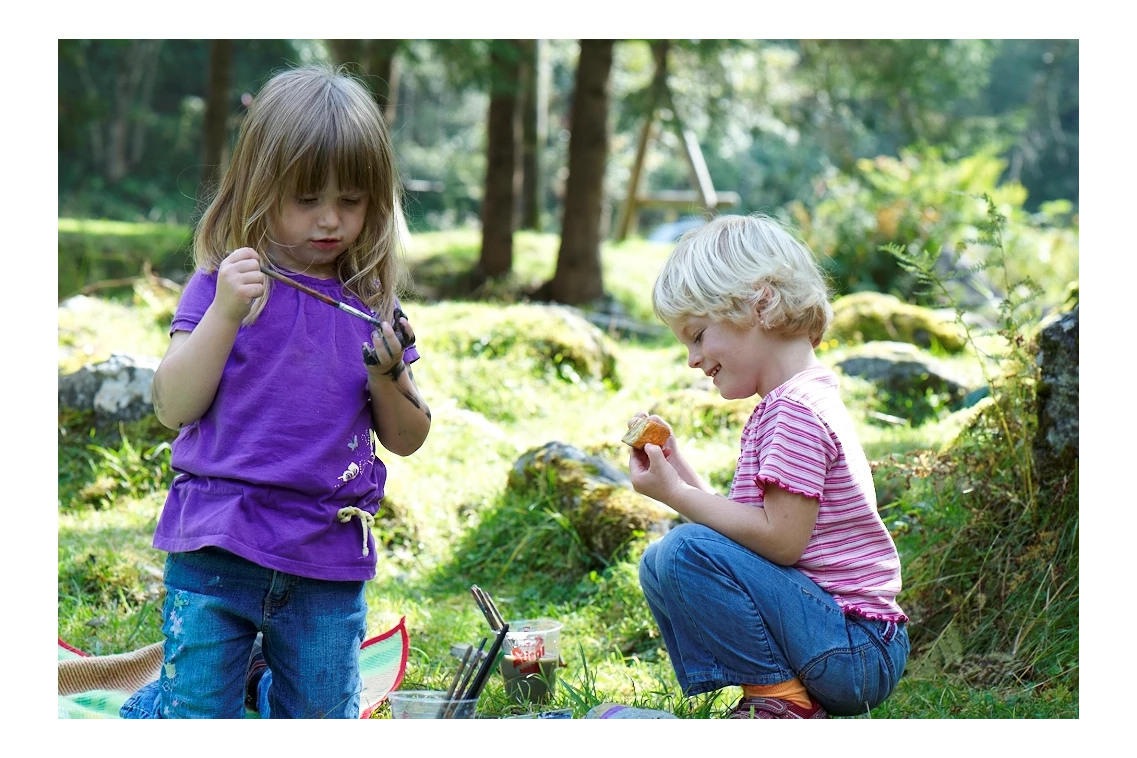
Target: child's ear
[761,302]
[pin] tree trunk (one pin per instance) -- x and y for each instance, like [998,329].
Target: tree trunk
[534,120]
[347,51]
[502,154]
[578,276]
[383,67]
[127,110]
[142,113]
[376,62]
[215,134]
[94,126]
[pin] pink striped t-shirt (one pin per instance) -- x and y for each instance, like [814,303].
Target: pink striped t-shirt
[801,438]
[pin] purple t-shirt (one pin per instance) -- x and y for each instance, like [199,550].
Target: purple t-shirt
[287,442]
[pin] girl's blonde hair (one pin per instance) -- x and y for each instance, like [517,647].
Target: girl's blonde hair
[302,123]
[738,268]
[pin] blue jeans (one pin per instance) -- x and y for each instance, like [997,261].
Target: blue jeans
[731,617]
[216,602]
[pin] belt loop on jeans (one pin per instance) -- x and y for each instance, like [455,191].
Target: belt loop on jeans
[890,628]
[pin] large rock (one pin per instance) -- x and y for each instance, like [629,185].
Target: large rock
[117,389]
[546,340]
[1055,444]
[594,495]
[914,384]
[873,316]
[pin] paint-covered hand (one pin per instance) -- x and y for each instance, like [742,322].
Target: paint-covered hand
[403,329]
[384,356]
[239,283]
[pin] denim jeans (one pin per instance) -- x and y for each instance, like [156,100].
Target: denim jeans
[216,602]
[731,617]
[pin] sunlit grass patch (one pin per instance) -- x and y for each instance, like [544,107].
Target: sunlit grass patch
[497,391]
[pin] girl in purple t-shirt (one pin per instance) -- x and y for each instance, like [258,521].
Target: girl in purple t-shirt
[787,586]
[282,402]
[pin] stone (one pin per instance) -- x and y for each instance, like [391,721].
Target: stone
[1055,445]
[117,389]
[594,495]
[875,316]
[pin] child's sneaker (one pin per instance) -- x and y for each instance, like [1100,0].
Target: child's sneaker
[774,708]
[253,673]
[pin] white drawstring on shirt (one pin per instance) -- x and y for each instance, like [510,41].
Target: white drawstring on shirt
[365,521]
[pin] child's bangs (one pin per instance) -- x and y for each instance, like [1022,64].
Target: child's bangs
[337,141]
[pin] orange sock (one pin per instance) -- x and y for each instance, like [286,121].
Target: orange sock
[793,690]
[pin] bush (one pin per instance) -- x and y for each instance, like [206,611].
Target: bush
[920,201]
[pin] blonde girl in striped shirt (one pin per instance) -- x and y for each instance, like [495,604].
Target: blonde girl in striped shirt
[786,586]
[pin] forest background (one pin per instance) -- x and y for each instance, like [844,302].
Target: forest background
[860,143]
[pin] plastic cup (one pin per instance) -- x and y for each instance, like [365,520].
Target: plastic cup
[532,653]
[429,704]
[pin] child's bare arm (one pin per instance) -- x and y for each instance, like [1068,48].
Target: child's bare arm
[779,531]
[402,418]
[186,380]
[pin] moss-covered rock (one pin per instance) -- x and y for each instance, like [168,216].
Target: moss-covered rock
[910,383]
[872,316]
[592,494]
[539,339]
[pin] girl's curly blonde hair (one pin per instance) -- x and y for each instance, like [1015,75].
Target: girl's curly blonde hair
[739,268]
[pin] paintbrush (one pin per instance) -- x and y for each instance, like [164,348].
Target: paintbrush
[460,694]
[498,620]
[454,683]
[484,607]
[400,332]
[483,675]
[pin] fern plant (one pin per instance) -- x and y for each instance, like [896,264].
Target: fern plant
[1017,377]
[998,600]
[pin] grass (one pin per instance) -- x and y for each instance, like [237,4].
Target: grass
[496,393]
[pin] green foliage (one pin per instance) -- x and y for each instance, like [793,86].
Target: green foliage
[770,115]
[148,97]
[93,251]
[919,201]
[1034,84]
[1006,581]
[924,202]
[99,468]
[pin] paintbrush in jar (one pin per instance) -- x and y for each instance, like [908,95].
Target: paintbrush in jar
[483,675]
[461,693]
